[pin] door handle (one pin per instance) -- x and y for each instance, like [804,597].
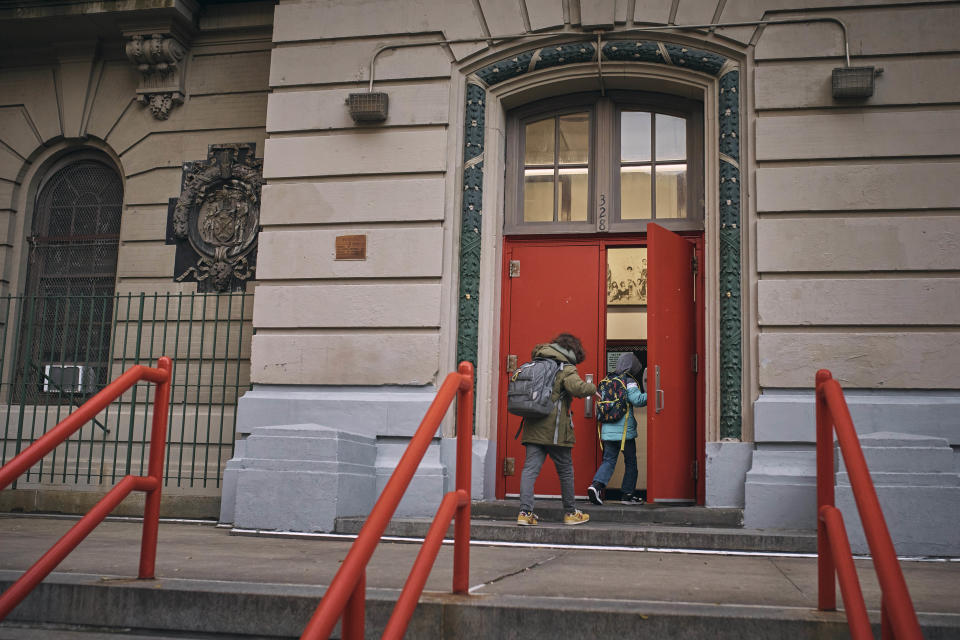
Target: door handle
[588,401]
[658,392]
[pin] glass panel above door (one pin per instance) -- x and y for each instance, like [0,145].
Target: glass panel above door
[574,138]
[653,147]
[539,141]
[538,188]
[671,190]
[572,192]
[635,141]
[671,138]
[556,156]
[635,193]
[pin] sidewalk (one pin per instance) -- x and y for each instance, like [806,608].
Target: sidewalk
[562,577]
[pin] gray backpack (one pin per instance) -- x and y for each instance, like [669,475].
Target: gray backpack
[530,388]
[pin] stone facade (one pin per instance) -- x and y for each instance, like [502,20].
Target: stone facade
[148,89]
[831,227]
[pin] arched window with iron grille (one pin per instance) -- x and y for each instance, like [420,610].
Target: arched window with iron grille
[67,309]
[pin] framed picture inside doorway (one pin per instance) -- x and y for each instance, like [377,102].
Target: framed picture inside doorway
[627,276]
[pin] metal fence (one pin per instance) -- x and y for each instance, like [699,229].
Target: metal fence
[55,352]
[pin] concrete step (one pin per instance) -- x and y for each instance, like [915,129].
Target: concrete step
[613,525]
[212,582]
[649,537]
[19,631]
[614,511]
[132,609]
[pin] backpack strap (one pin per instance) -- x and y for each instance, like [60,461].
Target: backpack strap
[623,438]
[626,416]
[517,434]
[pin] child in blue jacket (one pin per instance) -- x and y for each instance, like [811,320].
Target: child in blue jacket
[612,434]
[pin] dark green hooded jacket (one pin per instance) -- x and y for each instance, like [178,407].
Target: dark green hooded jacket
[557,428]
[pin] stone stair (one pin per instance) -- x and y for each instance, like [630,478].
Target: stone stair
[649,526]
[214,582]
[918,487]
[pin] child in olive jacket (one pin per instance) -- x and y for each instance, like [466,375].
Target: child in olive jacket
[553,435]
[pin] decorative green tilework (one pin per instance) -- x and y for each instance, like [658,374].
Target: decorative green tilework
[632,51]
[473,125]
[730,115]
[468,303]
[695,59]
[566,54]
[731,336]
[506,68]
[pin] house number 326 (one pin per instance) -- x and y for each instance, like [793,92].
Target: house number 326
[602,213]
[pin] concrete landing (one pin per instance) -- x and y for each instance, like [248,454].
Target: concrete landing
[209,581]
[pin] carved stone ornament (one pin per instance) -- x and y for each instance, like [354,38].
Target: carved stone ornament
[216,219]
[158,59]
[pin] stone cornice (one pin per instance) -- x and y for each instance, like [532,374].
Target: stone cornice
[34,9]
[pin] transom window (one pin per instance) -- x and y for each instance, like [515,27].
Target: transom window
[653,165]
[556,168]
[591,163]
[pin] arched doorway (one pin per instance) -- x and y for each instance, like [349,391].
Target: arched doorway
[663,67]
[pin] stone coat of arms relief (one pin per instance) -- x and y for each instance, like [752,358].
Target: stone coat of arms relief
[216,220]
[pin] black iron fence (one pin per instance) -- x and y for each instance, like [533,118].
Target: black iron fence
[55,352]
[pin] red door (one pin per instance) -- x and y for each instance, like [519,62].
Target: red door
[671,376]
[549,289]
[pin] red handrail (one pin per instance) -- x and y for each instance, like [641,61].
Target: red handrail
[346,594]
[898,618]
[151,483]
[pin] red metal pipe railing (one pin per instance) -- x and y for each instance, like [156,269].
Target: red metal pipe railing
[151,483]
[346,594]
[898,618]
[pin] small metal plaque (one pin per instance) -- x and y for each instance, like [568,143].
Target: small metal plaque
[351,247]
[509,466]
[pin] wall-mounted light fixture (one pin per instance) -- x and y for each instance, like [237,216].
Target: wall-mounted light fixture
[854,82]
[367,107]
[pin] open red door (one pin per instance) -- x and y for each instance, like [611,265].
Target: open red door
[550,289]
[671,376]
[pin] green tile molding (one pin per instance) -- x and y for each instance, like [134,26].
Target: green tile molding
[731,335]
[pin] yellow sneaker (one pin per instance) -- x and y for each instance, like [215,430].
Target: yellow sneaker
[576,517]
[528,519]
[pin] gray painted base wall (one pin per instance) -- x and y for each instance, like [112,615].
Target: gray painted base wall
[918,490]
[726,468]
[780,487]
[300,476]
[790,415]
[781,490]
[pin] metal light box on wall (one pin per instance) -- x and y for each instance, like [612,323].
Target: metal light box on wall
[369,106]
[853,82]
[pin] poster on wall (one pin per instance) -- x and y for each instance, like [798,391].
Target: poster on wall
[627,277]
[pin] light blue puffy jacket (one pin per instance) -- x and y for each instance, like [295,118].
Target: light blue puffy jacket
[637,398]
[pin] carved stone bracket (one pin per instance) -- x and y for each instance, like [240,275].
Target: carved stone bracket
[159,58]
[216,220]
